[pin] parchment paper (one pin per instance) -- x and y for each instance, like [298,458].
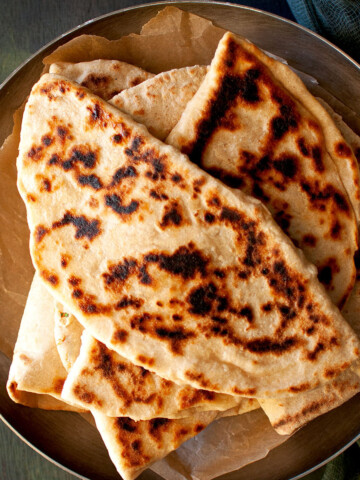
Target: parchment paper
[229,443]
[16,270]
[172,39]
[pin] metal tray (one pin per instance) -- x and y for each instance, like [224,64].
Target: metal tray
[66,438]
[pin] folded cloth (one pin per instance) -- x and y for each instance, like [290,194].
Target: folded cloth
[336,20]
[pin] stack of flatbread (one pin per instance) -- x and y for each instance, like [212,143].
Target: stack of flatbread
[193,235]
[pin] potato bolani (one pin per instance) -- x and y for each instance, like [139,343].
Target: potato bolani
[164,264]
[254,125]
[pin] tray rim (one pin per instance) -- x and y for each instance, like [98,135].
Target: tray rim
[40,452]
[168,3]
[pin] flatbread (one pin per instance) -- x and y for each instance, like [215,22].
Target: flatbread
[36,374]
[106,78]
[253,124]
[164,264]
[104,381]
[92,386]
[289,414]
[159,102]
[135,446]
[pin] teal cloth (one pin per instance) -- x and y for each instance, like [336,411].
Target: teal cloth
[344,467]
[336,20]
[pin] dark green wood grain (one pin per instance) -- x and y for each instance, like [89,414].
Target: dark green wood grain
[20,462]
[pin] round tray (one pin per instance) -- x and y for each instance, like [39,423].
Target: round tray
[66,438]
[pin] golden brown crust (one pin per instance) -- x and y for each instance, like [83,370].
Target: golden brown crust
[139,444]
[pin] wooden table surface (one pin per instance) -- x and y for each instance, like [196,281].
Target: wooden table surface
[25,26]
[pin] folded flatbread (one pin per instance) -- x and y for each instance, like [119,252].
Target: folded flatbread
[105,78]
[159,102]
[286,415]
[30,383]
[104,381]
[37,376]
[95,385]
[289,414]
[135,446]
[253,124]
[164,264]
